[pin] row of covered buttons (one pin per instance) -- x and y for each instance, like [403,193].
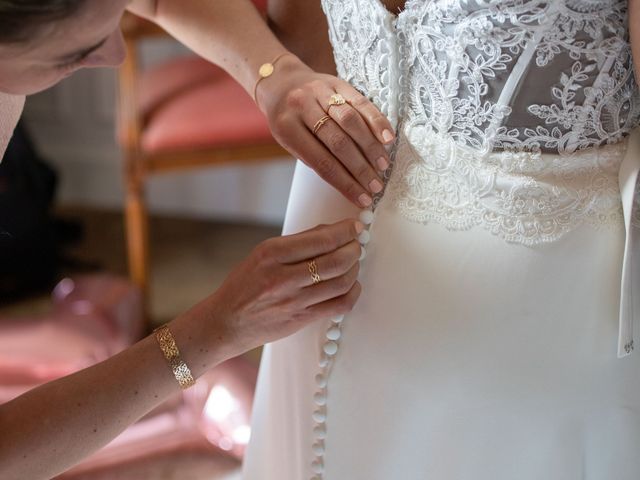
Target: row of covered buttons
[329,350]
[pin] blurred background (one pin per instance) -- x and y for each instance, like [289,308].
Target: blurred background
[130,195]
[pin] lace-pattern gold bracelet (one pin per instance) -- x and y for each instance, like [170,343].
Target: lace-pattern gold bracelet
[172,354]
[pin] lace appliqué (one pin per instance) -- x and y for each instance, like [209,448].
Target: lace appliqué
[525,75]
[525,198]
[364,49]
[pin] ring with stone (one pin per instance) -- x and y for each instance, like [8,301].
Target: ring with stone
[336,100]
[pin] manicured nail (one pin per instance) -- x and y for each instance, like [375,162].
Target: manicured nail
[387,136]
[383,164]
[359,227]
[375,186]
[365,200]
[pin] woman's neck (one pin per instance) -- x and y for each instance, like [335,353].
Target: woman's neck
[10,110]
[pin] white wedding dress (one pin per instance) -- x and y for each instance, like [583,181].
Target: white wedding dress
[494,336]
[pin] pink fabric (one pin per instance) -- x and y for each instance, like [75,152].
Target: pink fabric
[114,303]
[93,318]
[215,113]
[35,351]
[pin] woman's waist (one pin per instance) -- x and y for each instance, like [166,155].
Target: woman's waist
[525,197]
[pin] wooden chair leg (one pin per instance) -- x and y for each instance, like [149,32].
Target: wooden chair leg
[137,231]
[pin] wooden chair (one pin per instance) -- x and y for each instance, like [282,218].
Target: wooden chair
[183,114]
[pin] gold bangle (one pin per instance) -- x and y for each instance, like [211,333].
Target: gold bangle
[265,71]
[172,354]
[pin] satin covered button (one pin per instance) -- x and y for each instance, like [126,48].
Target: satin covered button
[366,217]
[320,399]
[320,432]
[319,416]
[321,380]
[364,237]
[334,333]
[318,449]
[330,348]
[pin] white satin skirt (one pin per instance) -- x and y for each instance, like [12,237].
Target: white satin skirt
[466,358]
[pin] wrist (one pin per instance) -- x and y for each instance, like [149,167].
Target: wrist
[201,337]
[269,90]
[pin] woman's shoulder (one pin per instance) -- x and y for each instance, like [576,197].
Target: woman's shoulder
[10,110]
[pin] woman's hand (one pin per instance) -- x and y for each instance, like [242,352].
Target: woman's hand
[348,151]
[271,294]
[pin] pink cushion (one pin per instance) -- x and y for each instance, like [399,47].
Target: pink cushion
[202,108]
[170,79]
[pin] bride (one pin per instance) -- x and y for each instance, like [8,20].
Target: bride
[494,337]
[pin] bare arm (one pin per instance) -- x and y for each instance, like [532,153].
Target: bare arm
[231,34]
[48,429]
[349,150]
[269,296]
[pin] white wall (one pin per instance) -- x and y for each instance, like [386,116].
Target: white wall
[73,125]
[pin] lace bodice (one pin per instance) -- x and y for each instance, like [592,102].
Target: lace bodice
[518,74]
[499,105]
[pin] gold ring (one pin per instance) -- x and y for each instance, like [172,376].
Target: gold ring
[320,123]
[336,100]
[313,270]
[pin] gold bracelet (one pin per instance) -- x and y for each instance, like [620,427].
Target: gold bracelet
[265,71]
[172,354]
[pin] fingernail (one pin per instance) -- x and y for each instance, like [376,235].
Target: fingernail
[387,136]
[359,227]
[383,164]
[375,186]
[365,200]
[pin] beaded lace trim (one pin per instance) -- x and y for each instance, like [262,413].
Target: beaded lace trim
[522,197]
[329,351]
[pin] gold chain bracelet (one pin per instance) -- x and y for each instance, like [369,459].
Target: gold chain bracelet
[265,71]
[172,354]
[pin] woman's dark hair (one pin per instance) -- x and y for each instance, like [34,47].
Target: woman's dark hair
[21,19]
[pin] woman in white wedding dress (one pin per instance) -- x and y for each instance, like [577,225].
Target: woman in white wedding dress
[494,336]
